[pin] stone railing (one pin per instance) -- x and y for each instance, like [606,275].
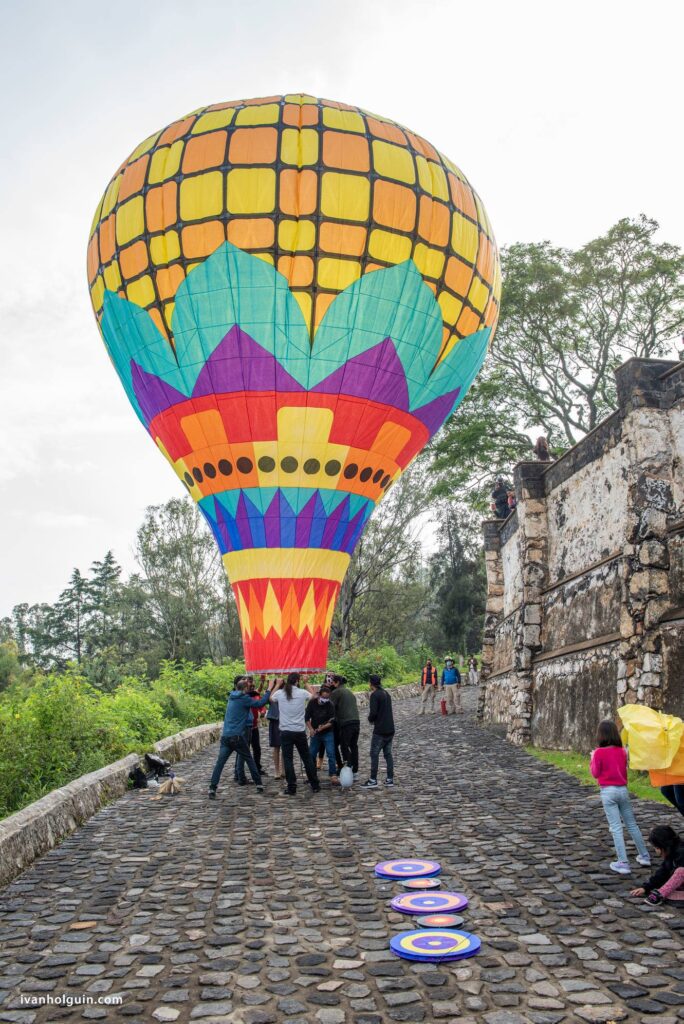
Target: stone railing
[29,833]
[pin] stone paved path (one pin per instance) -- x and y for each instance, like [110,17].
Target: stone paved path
[254,910]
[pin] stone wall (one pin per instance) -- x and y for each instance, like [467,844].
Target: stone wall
[585,605]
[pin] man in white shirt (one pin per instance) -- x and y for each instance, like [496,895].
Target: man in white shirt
[291,701]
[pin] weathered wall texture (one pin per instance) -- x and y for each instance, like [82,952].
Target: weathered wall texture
[512,569]
[583,527]
[585,606]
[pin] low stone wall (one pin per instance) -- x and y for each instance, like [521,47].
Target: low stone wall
[185,744]
[29,833]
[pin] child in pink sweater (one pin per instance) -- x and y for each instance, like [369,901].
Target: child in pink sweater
[609,768]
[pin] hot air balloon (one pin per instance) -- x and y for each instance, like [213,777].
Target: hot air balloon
[296,294]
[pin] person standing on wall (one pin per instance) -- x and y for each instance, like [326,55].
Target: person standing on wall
[347,715]
[451,682]
[428,683]
[381,718]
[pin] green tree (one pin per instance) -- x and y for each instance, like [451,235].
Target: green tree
[191,606]
[568,320]
[457,585]
[381,595]
[103,597]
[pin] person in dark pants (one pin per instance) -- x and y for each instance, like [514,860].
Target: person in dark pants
[291,703]
[675,796]
[238,713]
[500,498]
[381,718]
[255,739]
[320,718]
[347,717]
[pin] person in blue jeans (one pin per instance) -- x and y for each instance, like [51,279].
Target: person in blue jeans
[608,765]
[451,684]
[320,719]
[381,718]
[238,715]
[675,796]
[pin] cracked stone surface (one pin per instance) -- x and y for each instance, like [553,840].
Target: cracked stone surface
[259,909]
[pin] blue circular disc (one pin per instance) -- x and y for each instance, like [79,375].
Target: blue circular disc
[415,903]
[414,867]
[435,945]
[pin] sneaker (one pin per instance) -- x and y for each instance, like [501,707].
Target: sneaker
[370,784]
[260,789]
[644,861]
[315,789]
[389,782]
[620,867]
[288,792]
[212,794]
[356,775]
[654,899]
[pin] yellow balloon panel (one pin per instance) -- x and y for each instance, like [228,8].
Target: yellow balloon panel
[322,191]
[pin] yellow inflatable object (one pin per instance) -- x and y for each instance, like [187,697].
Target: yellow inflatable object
[655,739]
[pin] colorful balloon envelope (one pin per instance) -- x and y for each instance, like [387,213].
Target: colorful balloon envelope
[296,295]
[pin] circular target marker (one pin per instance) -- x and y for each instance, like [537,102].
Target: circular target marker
[439,920]
[429,902]
[421,883]
[434,944]
[416,868]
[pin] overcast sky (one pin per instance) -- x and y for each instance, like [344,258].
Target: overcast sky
[565,117]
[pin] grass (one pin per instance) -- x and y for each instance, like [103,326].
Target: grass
[577,765]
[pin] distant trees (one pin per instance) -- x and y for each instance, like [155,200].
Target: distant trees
[178,607]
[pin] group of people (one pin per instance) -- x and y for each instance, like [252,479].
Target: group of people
[449,683]
[319,723]
[608,765]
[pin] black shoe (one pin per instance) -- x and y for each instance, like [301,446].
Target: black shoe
[370,784]
[389,782]
[241,782]
[315,789]
[260,789]
[212,794]
[288,792]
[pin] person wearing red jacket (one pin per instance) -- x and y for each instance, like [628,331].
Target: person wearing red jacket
[429,683]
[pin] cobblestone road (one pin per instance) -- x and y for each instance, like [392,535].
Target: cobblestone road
[253,910]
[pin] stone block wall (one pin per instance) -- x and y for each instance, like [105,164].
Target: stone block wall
[585,604]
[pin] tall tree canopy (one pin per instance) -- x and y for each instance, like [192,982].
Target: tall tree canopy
[568,320]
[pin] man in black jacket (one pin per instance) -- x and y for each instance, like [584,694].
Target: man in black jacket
[381,717]
[320,720]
